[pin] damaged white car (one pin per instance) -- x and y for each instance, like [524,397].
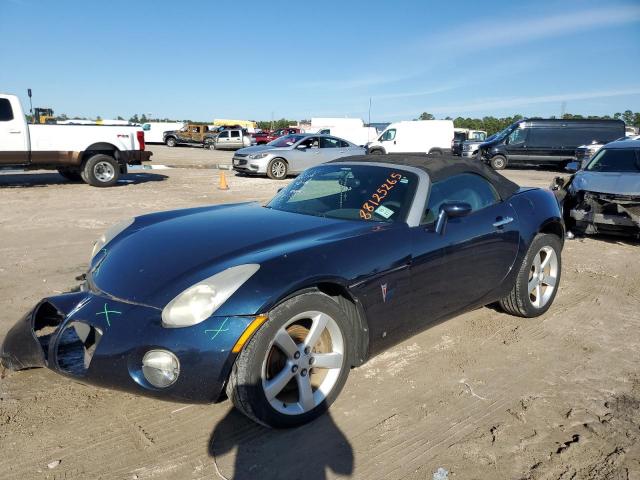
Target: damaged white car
[604,195]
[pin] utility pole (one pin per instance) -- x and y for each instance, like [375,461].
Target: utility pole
[369,123]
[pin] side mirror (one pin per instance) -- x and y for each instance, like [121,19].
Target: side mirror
[451,210]
[572,167]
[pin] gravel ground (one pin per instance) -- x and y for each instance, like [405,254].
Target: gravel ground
[484,395]
[187,156]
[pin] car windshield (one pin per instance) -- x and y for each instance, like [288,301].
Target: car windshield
[350,192]
[503,133]
[285,141]
[615,160]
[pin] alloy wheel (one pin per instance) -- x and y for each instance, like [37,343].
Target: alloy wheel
[303,363]
[543,277]
[278,169]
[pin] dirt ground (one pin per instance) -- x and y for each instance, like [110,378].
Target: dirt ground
[482,396]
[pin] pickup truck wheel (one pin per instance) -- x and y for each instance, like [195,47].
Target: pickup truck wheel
[70,174]
[171,142]
[210,144]
[101,171]
[277,169]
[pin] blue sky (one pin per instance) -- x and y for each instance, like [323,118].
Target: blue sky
[204,60]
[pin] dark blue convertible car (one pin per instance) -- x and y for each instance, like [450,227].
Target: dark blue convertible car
[274,304]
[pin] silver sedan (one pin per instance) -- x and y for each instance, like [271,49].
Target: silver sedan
[292,154]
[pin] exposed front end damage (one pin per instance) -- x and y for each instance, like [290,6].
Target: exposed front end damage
[606,213]
[588,212]
[98,340]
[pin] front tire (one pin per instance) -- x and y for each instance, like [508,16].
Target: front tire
[101,171]
[210,144]
[171,142]
[538,279]
[498,162]
[295,366]
[277,169]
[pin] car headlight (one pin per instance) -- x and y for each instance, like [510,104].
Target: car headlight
[110,234]
[198,302]
[256,156]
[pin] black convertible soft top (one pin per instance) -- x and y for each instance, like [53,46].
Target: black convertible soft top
[440,167]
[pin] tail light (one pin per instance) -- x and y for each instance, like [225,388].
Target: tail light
[140,135]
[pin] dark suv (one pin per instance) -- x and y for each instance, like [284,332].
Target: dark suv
[539,141]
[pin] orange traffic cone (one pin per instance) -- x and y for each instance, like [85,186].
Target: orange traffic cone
[223,182]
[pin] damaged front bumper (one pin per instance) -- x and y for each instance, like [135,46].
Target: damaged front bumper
[606,213]
[98,340]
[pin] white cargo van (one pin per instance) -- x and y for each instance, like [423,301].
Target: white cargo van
[351,129]
[417,136]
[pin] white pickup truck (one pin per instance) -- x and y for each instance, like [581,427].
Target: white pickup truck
[95,154]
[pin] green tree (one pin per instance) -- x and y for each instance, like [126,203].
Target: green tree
[426,116]
[627,116]
[134,119]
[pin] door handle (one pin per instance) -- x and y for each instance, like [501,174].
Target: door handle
[15,131]
[502,221]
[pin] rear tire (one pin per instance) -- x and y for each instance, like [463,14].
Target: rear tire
[274,381]
[71,174]
[171,142]
[538,279]
[277,169]
[101,171]
[498,162]
[376,152]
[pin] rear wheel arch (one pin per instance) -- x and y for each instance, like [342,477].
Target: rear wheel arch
[100,148]
[554,228]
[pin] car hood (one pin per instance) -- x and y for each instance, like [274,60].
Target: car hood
[161,255]
[626,183]
[260,148]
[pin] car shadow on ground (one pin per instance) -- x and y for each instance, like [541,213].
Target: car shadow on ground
[608,238]
[308,452]
[25,180]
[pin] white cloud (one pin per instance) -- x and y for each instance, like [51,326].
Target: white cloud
[421,93]
[501,103]
[487,32]
[355,82]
